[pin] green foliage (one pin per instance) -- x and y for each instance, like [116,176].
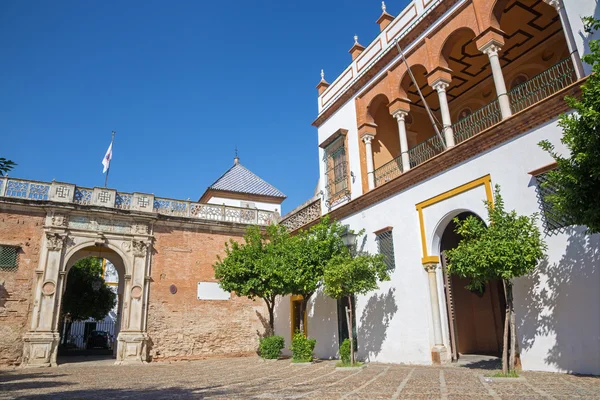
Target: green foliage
[271,346]
[510,374]
[302,347]
[5,166]
[80,300]
[311,251]
[577,178]
[345,352]
[256,267]
[511,246]
[346,275]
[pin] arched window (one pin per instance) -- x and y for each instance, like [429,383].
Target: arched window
[518,80]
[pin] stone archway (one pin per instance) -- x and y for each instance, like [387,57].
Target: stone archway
[68,238]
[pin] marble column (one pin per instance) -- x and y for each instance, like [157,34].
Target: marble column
[400,117]
[492,49]
[440,87]
[438,352]
[568,31]
[367,139]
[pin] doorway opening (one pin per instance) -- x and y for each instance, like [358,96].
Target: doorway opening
[89,319]
[475,319]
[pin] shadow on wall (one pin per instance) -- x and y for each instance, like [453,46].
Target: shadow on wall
[374,322]
[323,324]
[586,37]
[563,300]
[4,295]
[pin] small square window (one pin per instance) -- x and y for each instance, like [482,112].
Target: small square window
[9,257]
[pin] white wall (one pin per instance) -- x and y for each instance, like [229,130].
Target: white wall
[576,9]
[558,313]
[238,203]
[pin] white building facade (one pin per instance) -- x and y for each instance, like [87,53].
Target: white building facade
[494,75]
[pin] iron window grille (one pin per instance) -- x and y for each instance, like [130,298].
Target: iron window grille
[9,258]
[385,246]
[336,171]
[554,222]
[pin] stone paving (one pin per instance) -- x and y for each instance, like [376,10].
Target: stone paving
[252,378]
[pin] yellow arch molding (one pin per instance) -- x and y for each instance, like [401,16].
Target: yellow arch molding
[485,181]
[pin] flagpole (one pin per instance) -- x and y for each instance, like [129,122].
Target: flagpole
[108,169]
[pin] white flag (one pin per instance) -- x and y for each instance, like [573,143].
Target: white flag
[107,158]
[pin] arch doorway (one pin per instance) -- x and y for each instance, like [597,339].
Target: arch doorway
[475,319]
[91,305]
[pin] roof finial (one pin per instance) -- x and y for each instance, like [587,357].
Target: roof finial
[236,159]
[383,6]
[355,39]
[322,75]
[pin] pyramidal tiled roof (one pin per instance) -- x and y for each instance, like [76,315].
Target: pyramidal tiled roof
[239,179]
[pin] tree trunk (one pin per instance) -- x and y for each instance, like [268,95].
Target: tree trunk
[506,329]
[350,330]
[271,308]
[303,305]
[513,331]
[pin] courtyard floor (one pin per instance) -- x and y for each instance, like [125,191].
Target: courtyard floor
[251,378]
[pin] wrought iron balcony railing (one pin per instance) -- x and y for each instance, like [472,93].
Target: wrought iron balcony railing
[425,150]
[480,120]
[543,85]
[388,171]
[103,197]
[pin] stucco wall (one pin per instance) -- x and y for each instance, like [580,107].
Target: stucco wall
[23,230]
[557,307]
[238,203]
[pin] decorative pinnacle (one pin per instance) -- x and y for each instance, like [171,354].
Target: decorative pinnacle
[383,7]
[355,39]
[322,75]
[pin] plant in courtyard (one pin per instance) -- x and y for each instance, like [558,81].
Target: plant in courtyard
[83,297]
[302,347]
[576,179]
[310,251]
[345,352]
[509,247]
[271,346]
[255,268]
[5,166]
[347,275]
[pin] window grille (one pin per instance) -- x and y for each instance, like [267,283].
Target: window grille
[336,170]
[9,258]
[385,246]
[553,222]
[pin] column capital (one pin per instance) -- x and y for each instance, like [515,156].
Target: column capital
[430,267]
[557,4]
[400,115]
[440,85]
[491,48]
[367,138]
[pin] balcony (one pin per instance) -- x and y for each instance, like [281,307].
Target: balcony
[521,97]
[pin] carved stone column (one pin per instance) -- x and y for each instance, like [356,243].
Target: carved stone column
[439,354]
[40,344]
[568,31]
[400,117]
[491,49]
[132,339]
[367,139]
[440,86]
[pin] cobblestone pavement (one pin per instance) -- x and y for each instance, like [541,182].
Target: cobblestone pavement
[251,378]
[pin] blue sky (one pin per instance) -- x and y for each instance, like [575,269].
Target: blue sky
[182,83]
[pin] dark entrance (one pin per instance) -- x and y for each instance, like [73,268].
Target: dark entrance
[476,319]
[343,322]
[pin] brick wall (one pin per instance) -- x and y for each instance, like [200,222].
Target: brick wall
[179,325]
[23,230]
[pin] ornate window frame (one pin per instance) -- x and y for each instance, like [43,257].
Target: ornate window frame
[337,168]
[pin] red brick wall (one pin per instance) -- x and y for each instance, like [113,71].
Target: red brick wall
[179,325]
[23,230]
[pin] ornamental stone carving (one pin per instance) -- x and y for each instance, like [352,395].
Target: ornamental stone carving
[139,248]
[430,268]
[140,229]
[59,220]
[54,241]
[302,216]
